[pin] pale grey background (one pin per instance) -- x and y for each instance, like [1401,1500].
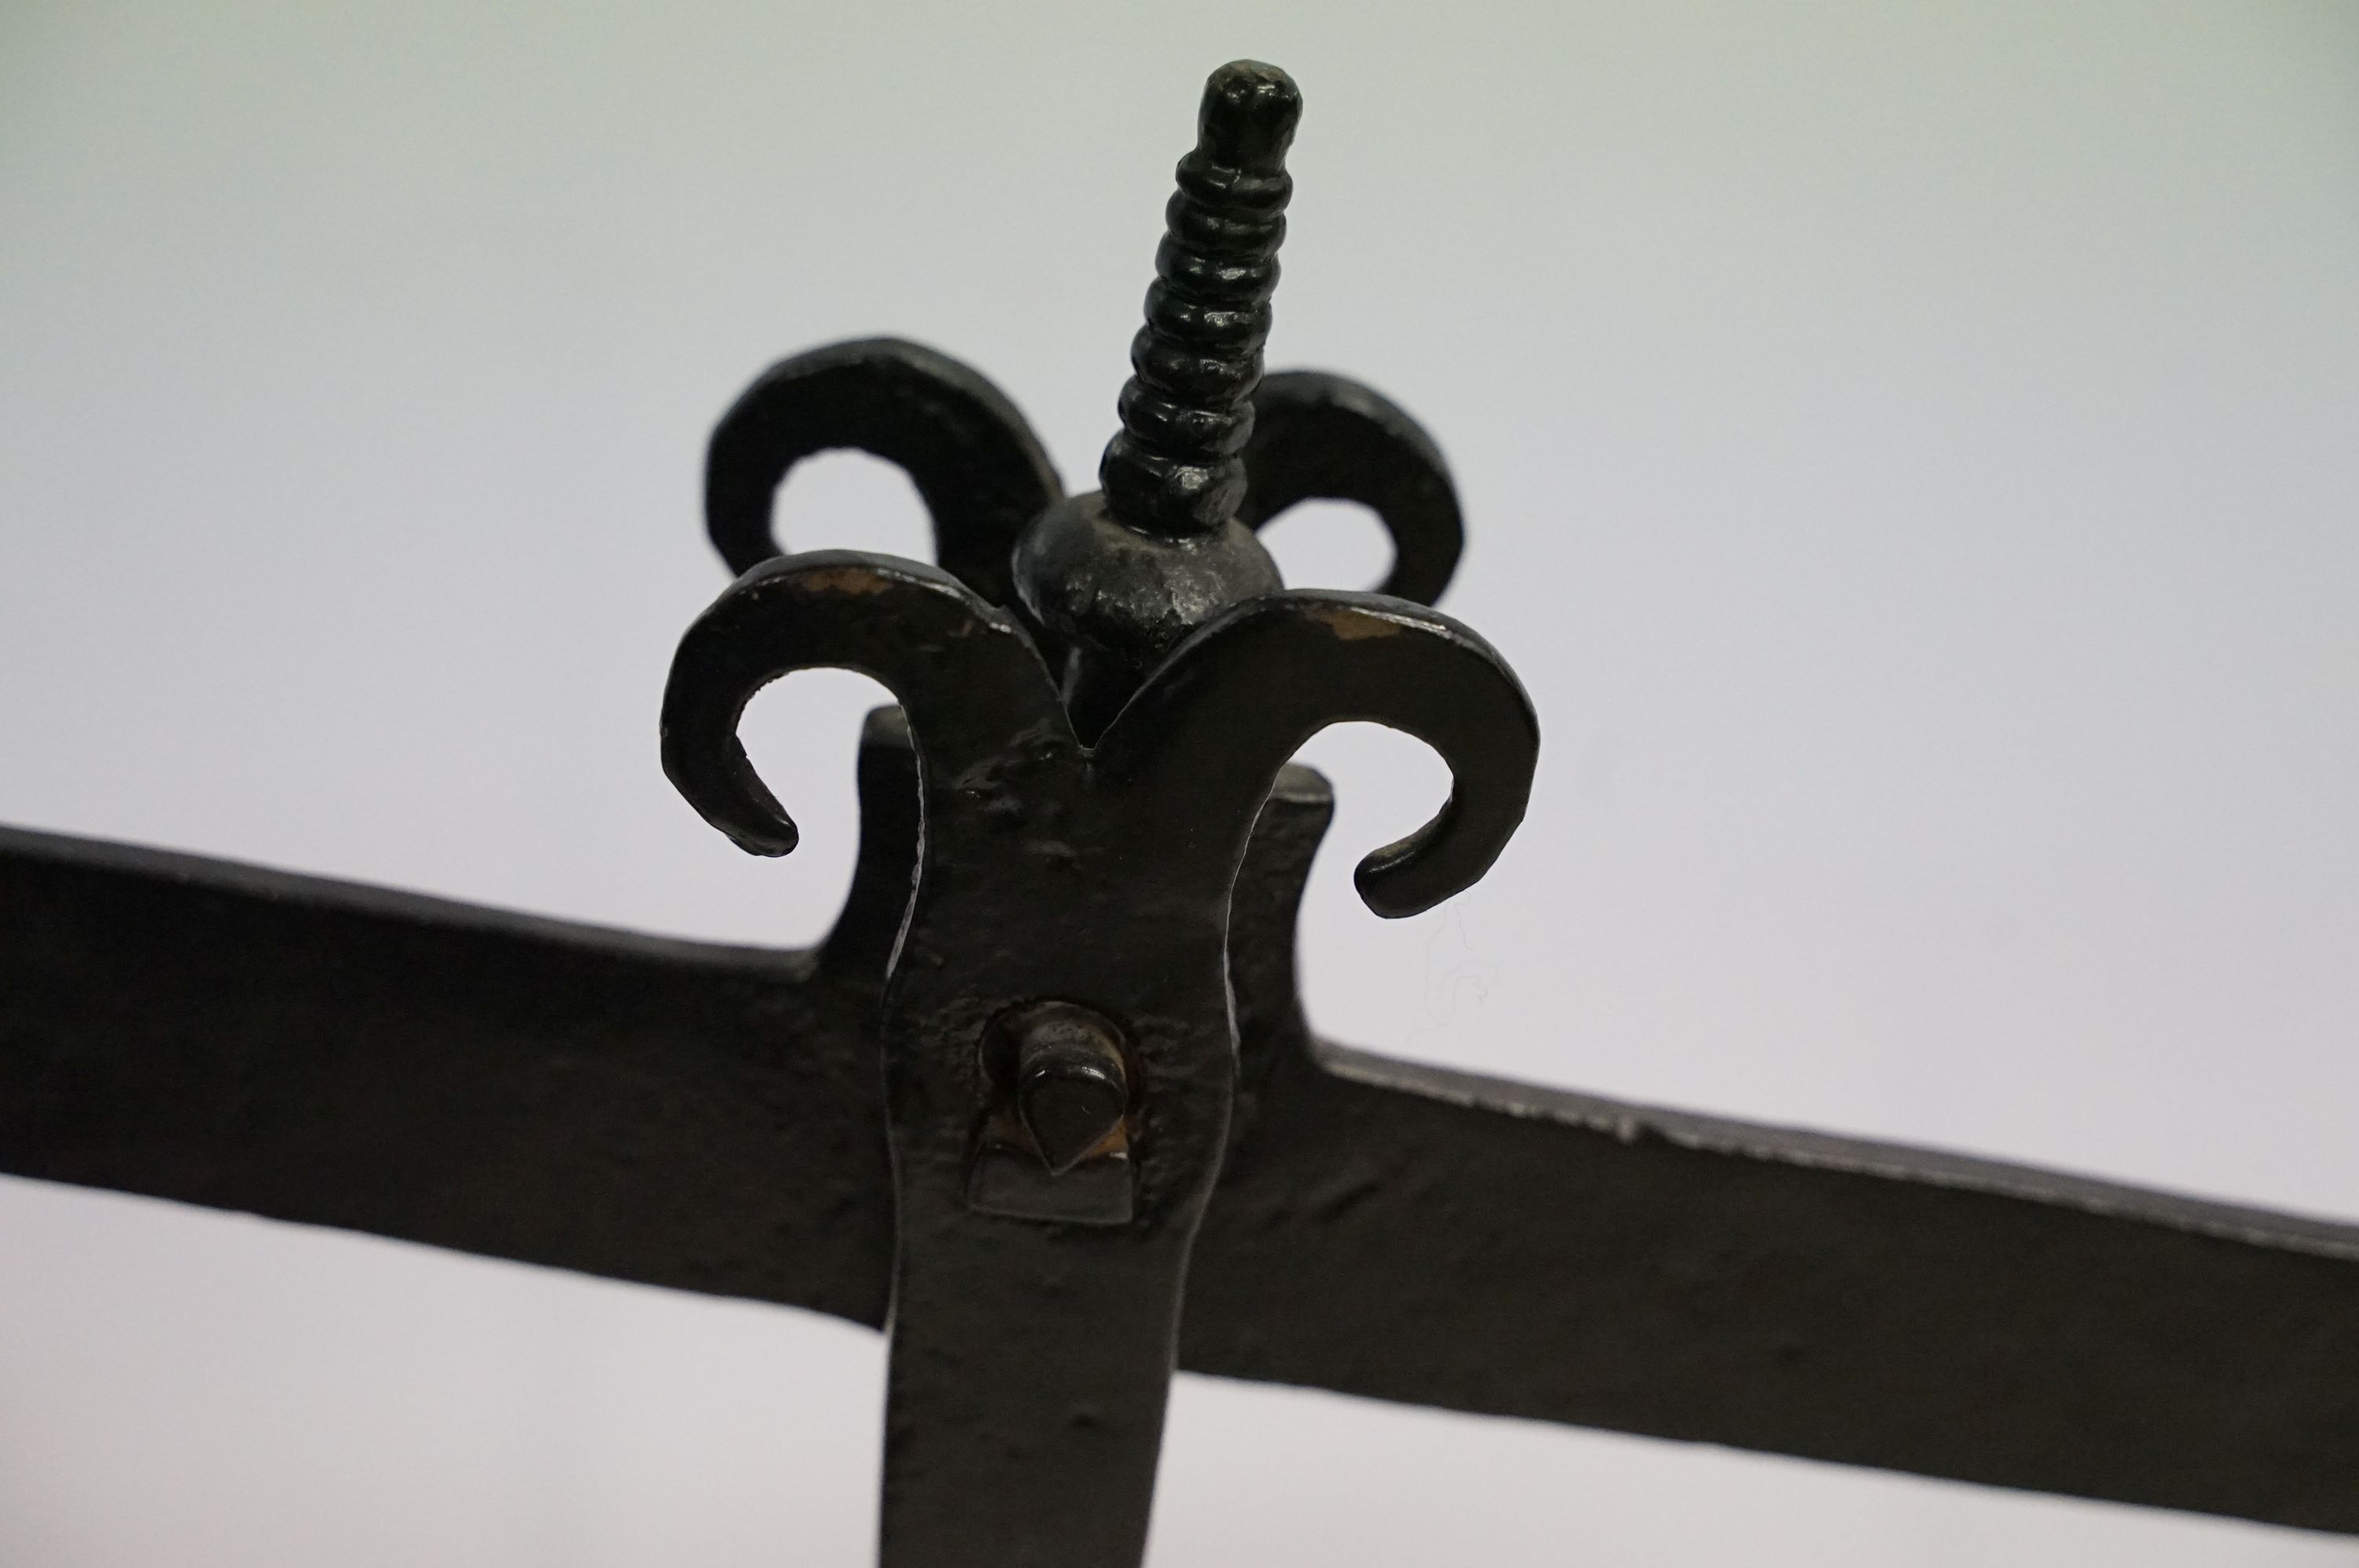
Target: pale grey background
[1909,457]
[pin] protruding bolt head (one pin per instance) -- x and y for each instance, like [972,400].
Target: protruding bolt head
[1072,1088]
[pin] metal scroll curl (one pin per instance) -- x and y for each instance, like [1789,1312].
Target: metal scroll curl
[1321,437]
[976,464]
[1211,726]
[964,672]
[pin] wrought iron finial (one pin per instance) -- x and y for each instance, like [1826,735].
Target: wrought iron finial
[1114,579]
[1111,580]
[1177,467]
[1057,1022]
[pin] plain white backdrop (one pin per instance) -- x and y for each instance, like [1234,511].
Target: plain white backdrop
[1912,460]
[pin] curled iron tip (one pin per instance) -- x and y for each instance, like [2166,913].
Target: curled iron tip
[1248,115]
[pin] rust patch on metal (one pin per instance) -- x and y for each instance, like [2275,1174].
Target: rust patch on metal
[1354,625]
[847,579]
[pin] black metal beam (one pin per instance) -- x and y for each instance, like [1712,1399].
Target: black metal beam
[707,1118]
[1437,1239]
[669,1112]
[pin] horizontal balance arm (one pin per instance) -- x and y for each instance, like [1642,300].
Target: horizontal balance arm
[707,1118]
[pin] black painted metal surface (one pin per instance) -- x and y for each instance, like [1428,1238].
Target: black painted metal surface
[676,1113]
[1058,1048]
[1031,1357]
[705,1117]
[1489,1246]
[1044,1104]
[684,1115]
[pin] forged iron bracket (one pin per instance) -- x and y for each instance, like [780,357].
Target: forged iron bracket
[1101,691]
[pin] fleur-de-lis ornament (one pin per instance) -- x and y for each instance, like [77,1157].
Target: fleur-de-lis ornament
[1100,691]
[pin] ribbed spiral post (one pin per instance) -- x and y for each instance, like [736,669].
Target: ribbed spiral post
[1114,579]
[1174,470]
